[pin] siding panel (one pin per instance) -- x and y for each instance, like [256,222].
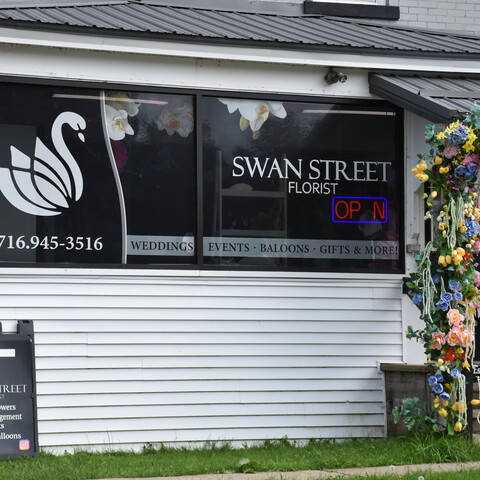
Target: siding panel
[127,359]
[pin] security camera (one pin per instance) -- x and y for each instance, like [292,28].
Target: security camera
[333,76]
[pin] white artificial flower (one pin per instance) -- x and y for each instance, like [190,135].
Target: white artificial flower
[120,101]
[176,118]
[117,123]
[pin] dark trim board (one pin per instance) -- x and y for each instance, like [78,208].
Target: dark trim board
[352,10]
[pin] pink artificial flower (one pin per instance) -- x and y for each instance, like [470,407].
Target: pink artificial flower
[450,151]
[476,247]
[453,337]
[472,158]
[120,153]
[465,337]
[438,341]
[455,318]
[477,275]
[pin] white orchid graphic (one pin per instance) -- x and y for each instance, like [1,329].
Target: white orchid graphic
[117,123]
[254,113]
[176,119]
[48,183]
[121,101]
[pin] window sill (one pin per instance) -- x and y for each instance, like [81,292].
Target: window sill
[380,12]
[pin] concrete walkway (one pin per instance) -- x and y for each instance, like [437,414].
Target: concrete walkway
[337,473]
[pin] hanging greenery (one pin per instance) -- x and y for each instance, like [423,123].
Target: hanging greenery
[446,284]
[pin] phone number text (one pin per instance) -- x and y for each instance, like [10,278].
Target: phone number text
[24,242]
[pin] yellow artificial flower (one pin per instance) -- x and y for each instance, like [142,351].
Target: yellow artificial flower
[423,177]
[442,412]
[468,146]
[422,166]
[441,136]
[457,259]
[434,194]
[458,427]
[443,170]
[438,160]
[463,229]
[442,226]
[444,260]
[475,401]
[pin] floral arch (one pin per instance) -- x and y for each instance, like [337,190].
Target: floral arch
[446,283]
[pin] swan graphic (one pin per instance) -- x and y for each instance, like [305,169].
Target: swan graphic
[48,183]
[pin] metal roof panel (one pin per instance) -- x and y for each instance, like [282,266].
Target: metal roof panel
[437,99]
[217,24]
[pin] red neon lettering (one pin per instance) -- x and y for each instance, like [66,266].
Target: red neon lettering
[354,207]
[376,209]
[351,207]
[346,209]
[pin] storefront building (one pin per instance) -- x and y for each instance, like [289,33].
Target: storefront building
[207,213]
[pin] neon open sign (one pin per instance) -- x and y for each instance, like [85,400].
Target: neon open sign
[359,209]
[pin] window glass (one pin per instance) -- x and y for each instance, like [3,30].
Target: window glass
[88,177]
[152,140]
[301,185]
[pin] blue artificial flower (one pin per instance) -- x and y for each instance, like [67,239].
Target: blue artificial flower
[437,388]
[453,285]
[444,396]
[472,168]
[417,298]
[432,380]
[458,136]
[458,296]
[442,305]
[447,297]
[439,377]
[472,227]
[455,373]
[460,170]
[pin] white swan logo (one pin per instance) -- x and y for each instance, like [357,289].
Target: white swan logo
[44,185]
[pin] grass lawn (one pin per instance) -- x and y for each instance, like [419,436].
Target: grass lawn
[280,456]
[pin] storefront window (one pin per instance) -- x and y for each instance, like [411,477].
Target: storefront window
[109,177]
[88,177]
[301,185]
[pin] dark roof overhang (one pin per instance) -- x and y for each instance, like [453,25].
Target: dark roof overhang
[436,98]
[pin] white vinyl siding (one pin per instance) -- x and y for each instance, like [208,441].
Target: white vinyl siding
[123,360]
